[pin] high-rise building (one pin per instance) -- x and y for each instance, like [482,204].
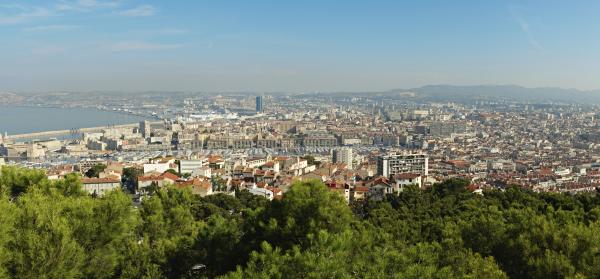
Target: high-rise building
[441,129]
[343,155]
[144,128]
[259,104]
[402,162]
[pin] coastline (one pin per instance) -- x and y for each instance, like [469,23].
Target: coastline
[56,120]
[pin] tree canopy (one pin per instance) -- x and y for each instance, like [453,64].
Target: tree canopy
[52,229]
[95,170]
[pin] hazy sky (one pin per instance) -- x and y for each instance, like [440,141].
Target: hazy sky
[134,45]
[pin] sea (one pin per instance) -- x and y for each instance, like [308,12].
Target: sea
[23,120]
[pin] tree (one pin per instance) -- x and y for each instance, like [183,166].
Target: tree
[218,244]
[249,200]
[15,181]
[44,246]
[306,209]
[95,170]
[170,229]
[51,229]
[8,218]
[130,178]
[69,186]
[114,221]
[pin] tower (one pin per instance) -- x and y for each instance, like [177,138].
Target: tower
[144,128]
[259,104]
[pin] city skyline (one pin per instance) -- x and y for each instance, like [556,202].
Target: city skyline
[299,139]
[130,45]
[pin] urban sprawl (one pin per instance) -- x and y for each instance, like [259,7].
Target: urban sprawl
[361,146]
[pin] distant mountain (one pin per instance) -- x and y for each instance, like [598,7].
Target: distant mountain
[539,94]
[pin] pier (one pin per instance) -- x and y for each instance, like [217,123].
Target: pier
[71,131]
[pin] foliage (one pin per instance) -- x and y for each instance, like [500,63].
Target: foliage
[51,229]
[311,160]
[14,181]
[95,170]
[130,178]
[172,171]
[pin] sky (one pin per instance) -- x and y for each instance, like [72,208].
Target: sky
[296,46]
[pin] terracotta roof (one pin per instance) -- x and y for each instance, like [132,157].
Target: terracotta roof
[361,189]
[276,191]
[170,176]
[379,180]
[196,184]
[215,160]
[166,175]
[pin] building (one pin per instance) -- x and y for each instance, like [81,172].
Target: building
[35,151]
[99,186]
[343,155]
[200,187]
[319,139]
[268,194]
[189,166]
[406,179]
[398,162]
[161,180]
[157,167]
[202,171]
[145,128]
[442,129]
[417,114]
[259,104]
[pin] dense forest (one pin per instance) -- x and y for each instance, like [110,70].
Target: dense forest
[51,229]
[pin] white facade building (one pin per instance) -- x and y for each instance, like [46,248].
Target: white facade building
[398,162]
[189,166]
[100,186]
[158,167]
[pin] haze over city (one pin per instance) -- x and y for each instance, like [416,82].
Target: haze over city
[132,45]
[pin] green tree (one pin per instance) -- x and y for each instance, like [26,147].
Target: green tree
[44,246]
[51,229]
[169,227]
[8,218]
[130,178]
[305,210]
[95,170]
[15,181]
[70,186]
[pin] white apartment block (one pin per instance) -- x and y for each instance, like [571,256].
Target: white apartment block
[398,162]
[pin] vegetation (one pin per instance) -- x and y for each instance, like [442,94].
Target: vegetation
[175,172]
[310,160]
[130,178]
[95,170]
[51,229]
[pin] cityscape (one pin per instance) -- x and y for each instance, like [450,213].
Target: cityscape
[346,141]
[299,139]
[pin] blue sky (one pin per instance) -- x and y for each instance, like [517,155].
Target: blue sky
[195,45]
